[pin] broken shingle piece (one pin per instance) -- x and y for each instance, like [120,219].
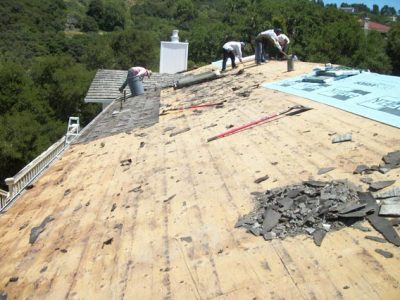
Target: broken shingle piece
[360,169]
[395,192]
[392,158]
[384,253]
[318,236]
[325,170]
[269,235]
[261,179]
[36,231]
[285,203]
[358,213]
[391,201]
[366,180]
[351,207]
[271,219]
[126,162]
[392,210]
[385,228]
[179,131]
[342,138]
[378,185]
[375,238]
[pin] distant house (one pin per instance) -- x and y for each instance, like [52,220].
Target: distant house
[369,25]
[350,10]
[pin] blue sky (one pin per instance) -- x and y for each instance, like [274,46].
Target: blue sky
[369,3]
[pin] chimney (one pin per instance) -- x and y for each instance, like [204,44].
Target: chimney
[173,55]
[174,36]
[366,20]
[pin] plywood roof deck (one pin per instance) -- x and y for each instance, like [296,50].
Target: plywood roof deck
[171,212]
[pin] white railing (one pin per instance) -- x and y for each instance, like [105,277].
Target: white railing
[3,198]
[24,177]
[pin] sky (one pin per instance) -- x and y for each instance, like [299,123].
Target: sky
[369,3]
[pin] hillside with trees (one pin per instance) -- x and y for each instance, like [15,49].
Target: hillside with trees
[51,49]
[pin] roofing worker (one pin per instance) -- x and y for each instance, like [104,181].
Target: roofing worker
[284,42]
[265,38]
[232,49]
[134,74]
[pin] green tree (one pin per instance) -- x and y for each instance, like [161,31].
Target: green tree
[375,10]
[388,11]
[371,54]
[96,10]
[62,83]
[113,16]
[134,47]
[89,24]
[98,53]
[393,48]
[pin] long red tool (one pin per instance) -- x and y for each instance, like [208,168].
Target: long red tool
[294,110]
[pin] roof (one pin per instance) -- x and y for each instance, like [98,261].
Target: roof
[374,26]
[378,27]
[150,213]
[123,115]
[104,87]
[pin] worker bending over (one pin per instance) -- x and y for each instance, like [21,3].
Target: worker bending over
[263,39]
[232,50]
[134,74]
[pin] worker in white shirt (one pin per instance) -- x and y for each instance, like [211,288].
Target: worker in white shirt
[232,50]
[284,42]
[134,73]
[263,39]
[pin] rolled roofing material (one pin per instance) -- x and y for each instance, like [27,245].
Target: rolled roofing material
[195,79]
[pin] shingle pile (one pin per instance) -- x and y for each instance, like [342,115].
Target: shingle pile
[311,207]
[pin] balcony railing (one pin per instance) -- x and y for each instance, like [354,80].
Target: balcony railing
[28,174]
[25,177]
[3,198]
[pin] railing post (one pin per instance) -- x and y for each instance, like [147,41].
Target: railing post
[10,183]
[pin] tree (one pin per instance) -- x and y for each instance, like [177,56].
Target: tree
[388,11]
[375,10]
[98,53]
[89,24]
[113,16]
[62,83]
[371,54]
[96,10]
[135,47]
[393,48]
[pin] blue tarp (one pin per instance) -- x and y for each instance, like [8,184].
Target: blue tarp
[368,94]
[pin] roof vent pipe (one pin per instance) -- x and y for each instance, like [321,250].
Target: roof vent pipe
[174,36]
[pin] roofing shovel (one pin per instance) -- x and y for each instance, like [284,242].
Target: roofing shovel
[291,111]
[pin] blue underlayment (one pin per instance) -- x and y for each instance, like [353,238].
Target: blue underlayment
[368,94]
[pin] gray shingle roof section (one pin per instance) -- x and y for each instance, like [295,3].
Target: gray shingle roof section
[136,112]
[104,87]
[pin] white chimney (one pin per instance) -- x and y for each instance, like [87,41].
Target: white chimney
[173,55]
[174,36]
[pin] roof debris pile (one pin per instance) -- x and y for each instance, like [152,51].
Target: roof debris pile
[311,207]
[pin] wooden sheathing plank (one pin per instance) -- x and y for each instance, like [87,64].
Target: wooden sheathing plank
[177,239]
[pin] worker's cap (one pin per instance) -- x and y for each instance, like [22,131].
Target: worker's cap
[278,30]
[242,44]
[149,72]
